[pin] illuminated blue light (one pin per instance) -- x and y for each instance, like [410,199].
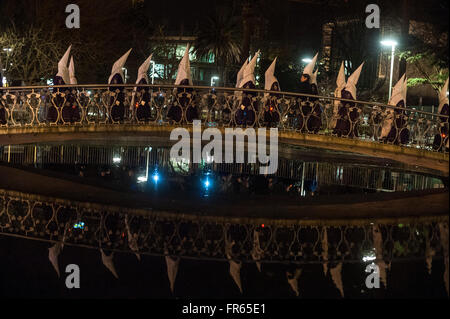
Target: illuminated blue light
[79,225]
[156,177]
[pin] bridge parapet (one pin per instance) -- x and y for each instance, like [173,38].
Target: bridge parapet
[168,105]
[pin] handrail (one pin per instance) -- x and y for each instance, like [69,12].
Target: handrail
[233,90]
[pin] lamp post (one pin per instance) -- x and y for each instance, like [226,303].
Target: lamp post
[392,44]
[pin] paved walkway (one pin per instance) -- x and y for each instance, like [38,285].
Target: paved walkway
[379,205]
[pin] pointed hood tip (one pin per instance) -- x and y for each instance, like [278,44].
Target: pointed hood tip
[309,68]
[269,76]
[184,68]
[118,65]
[248,74]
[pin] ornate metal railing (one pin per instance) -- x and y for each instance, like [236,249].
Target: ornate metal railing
[208,238]
[85,105]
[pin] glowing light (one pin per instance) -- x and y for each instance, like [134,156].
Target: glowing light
[79,225]
[141,179]
[389,43]
[370,256]
[307,60]
[207,183]
[262,225]
[155,177]
[116,160]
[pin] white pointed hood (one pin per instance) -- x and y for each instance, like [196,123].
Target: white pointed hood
[235,272]
[398,92]
[270,78]
[63,71]
[73,79]
[184,68]
[240,74]
[53,253]
[143,70]
[108,262]
[353,80]
[340,85]
[118,65]
[249,71]
[172,270]
[443,98]
[310,67]
[340,80]
[314,77]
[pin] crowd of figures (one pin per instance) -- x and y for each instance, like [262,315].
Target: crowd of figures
[305,112]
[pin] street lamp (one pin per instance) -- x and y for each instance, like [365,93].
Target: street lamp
[306,60]
[392,44]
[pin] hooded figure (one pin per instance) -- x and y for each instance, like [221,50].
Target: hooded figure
[70,111]
[2,107]
[117,77]
[307,75]
[61,78]
[307,87]
[315,119]
[245,114]
[394,128]
[271,113]
[441,139]
[142,104]
[183,96]
[340,85]
[347,114]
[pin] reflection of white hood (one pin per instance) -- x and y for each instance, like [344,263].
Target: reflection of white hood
[310,67]
[143,69]
[63,71]
[248,75]
[118,65]
[353,80]
[270,78]
[443,98]
[240,74]
[73,79]
[184,68]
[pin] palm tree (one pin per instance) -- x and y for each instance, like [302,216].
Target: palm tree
[217,36]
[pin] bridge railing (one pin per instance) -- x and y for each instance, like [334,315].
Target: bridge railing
[84,105]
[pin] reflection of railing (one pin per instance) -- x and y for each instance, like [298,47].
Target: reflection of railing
[135,157]
[208,238]
[84,105]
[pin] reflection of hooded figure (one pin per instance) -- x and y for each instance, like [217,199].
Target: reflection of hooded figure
[117,77]
[143,105]
[61,78]
[184,96]
[394,126]
[347,113]
[271,115]
[245,114]
[441,139]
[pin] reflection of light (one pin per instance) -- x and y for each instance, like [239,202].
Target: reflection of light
[370,256]
[141,179]
[207,183]
[156,177]
[79,225]
[116,160]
